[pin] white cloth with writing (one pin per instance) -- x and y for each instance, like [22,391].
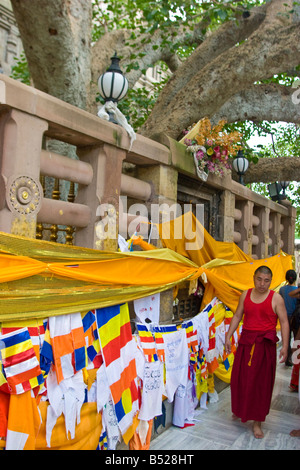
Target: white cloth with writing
[153,386]
[177,361]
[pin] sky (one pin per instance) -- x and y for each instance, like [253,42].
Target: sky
[259,140]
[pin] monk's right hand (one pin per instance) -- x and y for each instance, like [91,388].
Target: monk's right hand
[227,345]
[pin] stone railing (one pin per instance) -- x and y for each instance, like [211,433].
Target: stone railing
[259,226]
[27,118]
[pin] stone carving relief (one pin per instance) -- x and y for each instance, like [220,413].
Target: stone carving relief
[24,195]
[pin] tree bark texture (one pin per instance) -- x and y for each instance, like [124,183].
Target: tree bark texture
[56,40]
[268,170]
[273,47]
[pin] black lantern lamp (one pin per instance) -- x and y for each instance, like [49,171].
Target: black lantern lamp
[240,165]
[275,190]
[112,84]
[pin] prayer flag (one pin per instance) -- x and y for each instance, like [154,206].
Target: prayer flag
[191,336]
[46,355]
[21,366]
[212,365]
[147,342]
[103,445]
[36,330]
[212,330]
[118,350]
[91,337]
[158,331]
[68,344]
[23,422]
[226,364]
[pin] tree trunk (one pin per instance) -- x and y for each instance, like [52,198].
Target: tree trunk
[56,37]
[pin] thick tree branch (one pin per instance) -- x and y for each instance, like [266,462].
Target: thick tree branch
[273,48]
[271,102]
[223,39]
[148,49]
[269,170]
[226,36]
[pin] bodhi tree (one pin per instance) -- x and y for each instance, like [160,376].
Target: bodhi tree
[233,60]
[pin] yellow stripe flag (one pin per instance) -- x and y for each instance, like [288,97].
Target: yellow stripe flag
[118,350]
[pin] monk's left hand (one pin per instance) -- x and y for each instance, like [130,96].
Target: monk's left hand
[283,354]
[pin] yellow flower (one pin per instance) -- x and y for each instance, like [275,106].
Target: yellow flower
[209,151]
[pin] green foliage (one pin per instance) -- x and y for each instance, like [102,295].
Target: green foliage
[137,106]
[143,18]
[286,143]
[20,71]
[147,16]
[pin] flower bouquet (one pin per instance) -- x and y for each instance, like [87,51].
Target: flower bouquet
[211,147]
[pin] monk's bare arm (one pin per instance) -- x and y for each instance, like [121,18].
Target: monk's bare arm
[280,310]
[235,321]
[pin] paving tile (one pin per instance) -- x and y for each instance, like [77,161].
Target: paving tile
[216,430]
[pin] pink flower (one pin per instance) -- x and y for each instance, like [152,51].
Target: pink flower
[199,155]
[209,142]
[210,166]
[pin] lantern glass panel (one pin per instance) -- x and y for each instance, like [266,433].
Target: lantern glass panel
[240,165]
[113,86]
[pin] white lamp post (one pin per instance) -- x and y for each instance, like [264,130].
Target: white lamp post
[112,84]
[240,165]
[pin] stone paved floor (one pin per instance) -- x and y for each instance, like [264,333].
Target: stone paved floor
[216,430]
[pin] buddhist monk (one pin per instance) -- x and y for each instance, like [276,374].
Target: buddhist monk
[254,367]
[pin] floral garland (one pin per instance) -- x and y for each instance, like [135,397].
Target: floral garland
[212,147]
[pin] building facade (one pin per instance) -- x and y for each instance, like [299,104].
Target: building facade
[10,40]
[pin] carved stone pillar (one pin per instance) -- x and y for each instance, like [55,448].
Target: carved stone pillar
[20,191]
[226,217]
[261,250]
[275,232]
[102,197]
[288,229]
[244,226]
[164,180]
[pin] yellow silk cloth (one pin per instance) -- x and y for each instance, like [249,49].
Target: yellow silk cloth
[188,237]
[55,279]
[227,268]
[39,279]
[87,431]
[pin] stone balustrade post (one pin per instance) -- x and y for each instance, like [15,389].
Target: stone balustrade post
[101,196]
[21,194]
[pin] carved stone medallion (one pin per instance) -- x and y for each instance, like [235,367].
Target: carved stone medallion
[24,195]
